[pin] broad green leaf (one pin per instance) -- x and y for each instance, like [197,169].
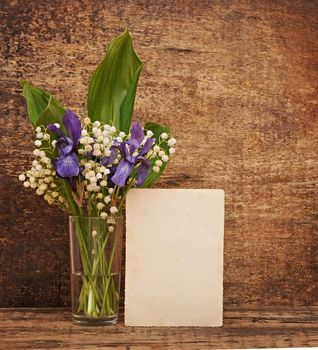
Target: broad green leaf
[43,108]
[37,100]
[112,88]
[157,130]
[53,113]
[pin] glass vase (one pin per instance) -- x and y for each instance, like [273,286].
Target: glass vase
[96,248]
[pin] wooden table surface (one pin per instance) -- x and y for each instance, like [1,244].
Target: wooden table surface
[243,328]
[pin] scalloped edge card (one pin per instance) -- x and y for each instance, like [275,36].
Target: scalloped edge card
[174,257]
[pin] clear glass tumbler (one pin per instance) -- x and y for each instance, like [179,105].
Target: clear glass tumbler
[96,249]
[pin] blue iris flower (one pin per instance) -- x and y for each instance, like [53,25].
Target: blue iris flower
[132,153]
[67,164]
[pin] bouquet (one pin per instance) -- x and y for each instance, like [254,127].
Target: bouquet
[87,165]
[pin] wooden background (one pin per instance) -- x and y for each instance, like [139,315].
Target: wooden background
[237,81]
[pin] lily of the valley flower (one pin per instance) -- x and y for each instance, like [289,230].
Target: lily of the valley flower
[67,164]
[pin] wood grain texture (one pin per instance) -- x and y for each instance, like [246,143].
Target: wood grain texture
[243,328]
[236,80]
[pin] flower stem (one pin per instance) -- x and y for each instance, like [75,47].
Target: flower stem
[98,296]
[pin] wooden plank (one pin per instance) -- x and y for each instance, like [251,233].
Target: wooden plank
[236,80]
[243,328]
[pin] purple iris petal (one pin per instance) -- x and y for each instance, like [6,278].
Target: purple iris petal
[147,146]
[143,170]
[53,128]
[137,135]
[64,145]
[67,166]
[123,170]
[72,125]
[109,178]
[113,155]
[124,150]
[137,132]
[133,144]
[129,159]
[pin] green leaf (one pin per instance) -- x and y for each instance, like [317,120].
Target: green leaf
[53,113]
[43,108]
[157,130]
[37,100]
[112,88]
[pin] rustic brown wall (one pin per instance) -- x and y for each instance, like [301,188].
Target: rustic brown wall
[237,81]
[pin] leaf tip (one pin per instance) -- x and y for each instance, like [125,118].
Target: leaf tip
[24,82]
[124,34]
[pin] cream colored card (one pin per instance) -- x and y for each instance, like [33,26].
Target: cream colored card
[174,257]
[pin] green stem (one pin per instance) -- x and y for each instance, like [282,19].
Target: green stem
[105,299]
[98,296]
